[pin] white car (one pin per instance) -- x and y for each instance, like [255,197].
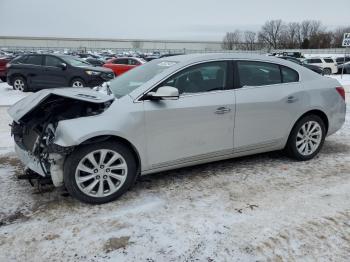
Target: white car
[171,113]
[327,63]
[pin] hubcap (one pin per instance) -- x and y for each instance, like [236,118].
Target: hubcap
[18,84]
[77,84]
[309,138]
[101,173]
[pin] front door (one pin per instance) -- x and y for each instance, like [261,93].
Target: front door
[53,74]
[198,125]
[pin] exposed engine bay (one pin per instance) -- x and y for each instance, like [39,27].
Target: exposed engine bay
[35,131]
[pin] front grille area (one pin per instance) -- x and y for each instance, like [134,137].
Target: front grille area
[107,76]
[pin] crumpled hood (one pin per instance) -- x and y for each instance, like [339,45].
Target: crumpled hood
[22,107]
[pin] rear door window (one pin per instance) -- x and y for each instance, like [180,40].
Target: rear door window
[253,73]
[328,60]
[314,61]
[34,60]
[121,61]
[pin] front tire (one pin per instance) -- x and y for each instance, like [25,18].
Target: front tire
[100,173]
[307,138]
[20,84]
[77,82]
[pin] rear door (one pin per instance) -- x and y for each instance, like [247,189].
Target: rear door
[32,68]
[267,102]
[53,74]
[120,66]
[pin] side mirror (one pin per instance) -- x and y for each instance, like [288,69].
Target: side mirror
[164,92]
[63,66]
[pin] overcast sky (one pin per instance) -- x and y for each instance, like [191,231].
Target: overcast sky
[159,19]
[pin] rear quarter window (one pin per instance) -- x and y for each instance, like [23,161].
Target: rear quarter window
[289,75]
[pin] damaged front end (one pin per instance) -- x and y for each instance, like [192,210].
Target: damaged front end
[35,121]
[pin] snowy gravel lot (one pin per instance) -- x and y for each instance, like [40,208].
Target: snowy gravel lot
[257,208]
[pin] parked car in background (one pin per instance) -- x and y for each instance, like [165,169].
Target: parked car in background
[342,60]
[172,113]
[41,71]
[94,61]
[121,65]
[327,63]
[346,67]
[314,68]
[3,67]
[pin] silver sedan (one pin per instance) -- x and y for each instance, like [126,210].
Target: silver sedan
[174,112]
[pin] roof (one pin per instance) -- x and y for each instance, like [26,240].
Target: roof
[192,58]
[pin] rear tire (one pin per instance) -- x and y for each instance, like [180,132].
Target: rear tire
[306,138]
[327,71]
[3,78]
[104,180]
[20,84]
[77,82]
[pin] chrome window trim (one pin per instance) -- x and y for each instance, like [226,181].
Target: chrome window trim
[137,100]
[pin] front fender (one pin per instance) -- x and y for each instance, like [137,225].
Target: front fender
[116,121]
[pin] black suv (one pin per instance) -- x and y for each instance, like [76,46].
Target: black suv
[34,72]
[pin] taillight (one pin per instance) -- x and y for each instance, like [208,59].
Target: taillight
[341,91]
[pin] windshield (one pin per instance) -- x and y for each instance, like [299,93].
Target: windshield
[129,81]
[75,61]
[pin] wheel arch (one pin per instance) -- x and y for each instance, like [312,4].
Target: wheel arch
[11,77]
[316,112]
[76,78]
[119,139]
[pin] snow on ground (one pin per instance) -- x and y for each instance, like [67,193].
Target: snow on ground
[257,208]
[344,80]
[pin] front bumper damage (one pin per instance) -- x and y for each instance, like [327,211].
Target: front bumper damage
[55,158]
[34,127]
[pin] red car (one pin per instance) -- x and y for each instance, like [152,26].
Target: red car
[121,65]
[3,69]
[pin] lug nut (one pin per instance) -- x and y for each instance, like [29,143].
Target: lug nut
[97,177]
[102,166]
[105,177]
[107,170]
[95,170]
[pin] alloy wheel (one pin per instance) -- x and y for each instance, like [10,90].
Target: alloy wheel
[77,83]
[19,84]
[309,138]
[101,173]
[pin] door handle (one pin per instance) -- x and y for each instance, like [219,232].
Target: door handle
[291,99]
[222,110]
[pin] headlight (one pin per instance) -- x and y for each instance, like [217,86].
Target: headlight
[92,73]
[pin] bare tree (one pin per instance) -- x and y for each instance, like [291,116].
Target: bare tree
[293,35]
[271,33]
[231,40]
[250,40]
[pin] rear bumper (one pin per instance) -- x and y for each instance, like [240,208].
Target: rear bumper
[3,72]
